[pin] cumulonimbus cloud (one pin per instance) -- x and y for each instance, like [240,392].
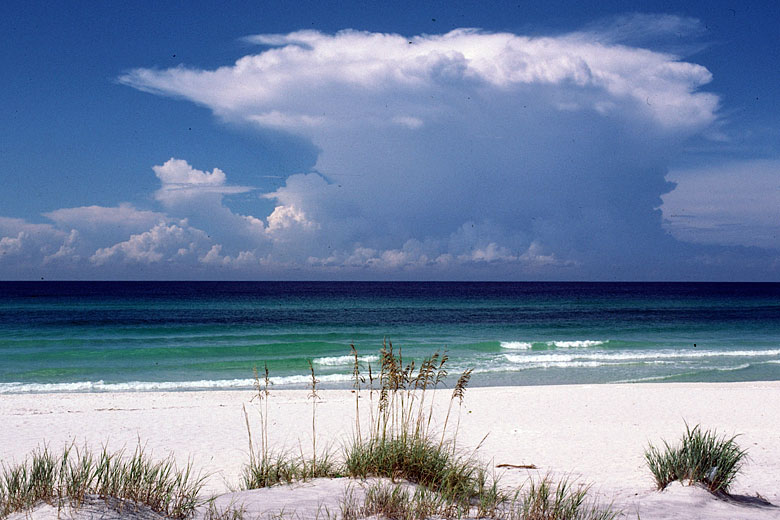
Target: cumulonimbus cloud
[309,79]
[465,154]
[560,143]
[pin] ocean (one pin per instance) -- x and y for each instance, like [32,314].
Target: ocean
[179,336]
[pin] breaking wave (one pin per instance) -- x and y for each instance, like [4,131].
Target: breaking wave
[638,356]
[527,345]
[576,344]
[516,345]
[335,361]
[162,386]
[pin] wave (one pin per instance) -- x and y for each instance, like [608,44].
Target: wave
[544,364]
[516,345]
[731,369]
[163,386]
[343,360]
[306,379]
[635,356]
[527,345]
[576,344]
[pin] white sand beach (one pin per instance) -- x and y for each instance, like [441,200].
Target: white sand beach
[594,433]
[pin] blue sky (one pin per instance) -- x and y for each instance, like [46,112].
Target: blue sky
[527,140]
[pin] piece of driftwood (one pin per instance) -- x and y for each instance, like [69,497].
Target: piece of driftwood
[517,466]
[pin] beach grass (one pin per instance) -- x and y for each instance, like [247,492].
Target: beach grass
[422,471]
[702,457]
[68,479]
[399,443]
[268,468]
[398,501]
[544,499]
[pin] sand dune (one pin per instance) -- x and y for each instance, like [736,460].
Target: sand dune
[594,433]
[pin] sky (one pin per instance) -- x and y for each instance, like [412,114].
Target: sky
[525,140]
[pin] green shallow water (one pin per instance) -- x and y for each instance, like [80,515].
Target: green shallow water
[93,336]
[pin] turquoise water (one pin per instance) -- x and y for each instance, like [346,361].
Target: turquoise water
[94,336]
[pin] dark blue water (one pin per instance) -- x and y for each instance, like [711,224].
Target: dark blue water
[59,336]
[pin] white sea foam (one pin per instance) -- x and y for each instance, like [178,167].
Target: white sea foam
[516,345]
[584,343]
[527,345]
[730,369]
[306,379]
[162,386]
[544,364]
[538,358]
[640,356]
[347,360]
[131,386]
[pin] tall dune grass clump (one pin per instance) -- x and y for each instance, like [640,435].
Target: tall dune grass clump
[405,443]
[701,457]
[68,479]
[399,441]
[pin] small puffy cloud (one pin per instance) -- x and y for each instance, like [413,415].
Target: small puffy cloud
[12,245]
[198,196]
[287,217]
[490,253]
[68,251]
[163,243]
[26,244]
[243,260]
[181,181]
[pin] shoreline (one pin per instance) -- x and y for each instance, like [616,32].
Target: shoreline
[595,433]
[329,382]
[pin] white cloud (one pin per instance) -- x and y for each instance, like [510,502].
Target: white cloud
[277,119]
[68,251]
[555,142]
[281,86]
[408,121]
[490,155]
[287,217]
[182,181]
[179,172]
[24,245]
[12,226]
[736,203]
[244,259]
[12,245]
[124,218]
[162,243]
